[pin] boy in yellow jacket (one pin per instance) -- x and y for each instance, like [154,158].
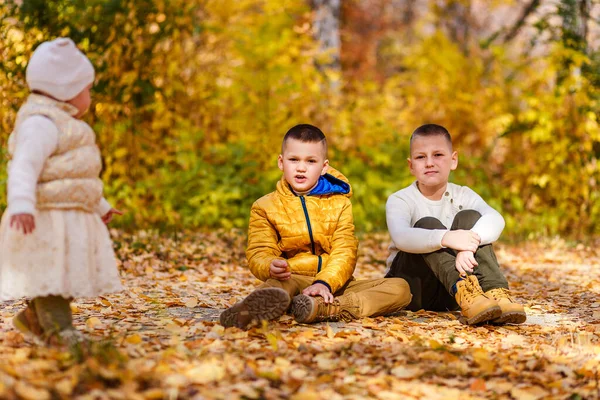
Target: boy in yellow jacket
[301,243]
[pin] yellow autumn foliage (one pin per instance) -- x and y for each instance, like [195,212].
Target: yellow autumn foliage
[192,99]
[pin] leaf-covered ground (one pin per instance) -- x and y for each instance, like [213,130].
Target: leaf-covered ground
[161,340]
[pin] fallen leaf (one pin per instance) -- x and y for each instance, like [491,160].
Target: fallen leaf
[31,393]
[206,372]
[93,322]
[134,339]
[528,393]
[478,385]
[404,372]
[330,333]
[192,302]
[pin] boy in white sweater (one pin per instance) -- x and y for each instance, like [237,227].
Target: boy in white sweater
[441,238]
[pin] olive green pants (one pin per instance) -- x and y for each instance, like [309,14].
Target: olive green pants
[431,276]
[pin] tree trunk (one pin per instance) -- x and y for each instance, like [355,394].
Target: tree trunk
[327,31]
[455,18]
[575,15]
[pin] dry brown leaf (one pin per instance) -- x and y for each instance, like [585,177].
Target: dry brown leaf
[191,302]
[406,372]
[29,392]
[208,371]
[169,349]
[528,393]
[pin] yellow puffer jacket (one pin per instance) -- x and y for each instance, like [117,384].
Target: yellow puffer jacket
[314,233]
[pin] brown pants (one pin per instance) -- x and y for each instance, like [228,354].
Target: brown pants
[374,297]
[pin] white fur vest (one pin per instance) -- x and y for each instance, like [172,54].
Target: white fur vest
[70,176]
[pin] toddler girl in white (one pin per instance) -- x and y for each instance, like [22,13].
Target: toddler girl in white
[54,244]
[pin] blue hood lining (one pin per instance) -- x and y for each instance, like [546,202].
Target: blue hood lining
[329,184]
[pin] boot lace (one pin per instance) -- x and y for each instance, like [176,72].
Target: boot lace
[332,311]
[471,290]
[501,293]
[328,311]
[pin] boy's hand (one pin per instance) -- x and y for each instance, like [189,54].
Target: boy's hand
[106,218]
[280,270]
[318,289]
[23,221]
[461,240]
[465,262]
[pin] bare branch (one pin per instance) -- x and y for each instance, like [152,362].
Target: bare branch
[527,11]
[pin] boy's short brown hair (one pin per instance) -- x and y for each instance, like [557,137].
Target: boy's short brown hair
[428,130]
[305,133]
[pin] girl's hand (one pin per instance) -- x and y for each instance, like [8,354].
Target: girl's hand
[465,262]
[23,221]
[106,218]
[318,289]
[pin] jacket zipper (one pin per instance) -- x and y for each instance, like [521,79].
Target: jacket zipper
[312,241]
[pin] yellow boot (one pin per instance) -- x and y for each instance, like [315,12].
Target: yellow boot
[512,312]
[307,309]
[475,306]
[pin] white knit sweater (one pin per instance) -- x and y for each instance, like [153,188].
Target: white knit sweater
[407,206]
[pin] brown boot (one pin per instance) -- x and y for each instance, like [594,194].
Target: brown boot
[53,312]
[475,306]
[48,321]
[27,322]
[512,312]
[262,304]
[307,309]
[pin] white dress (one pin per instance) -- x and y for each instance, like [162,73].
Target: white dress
[70,251]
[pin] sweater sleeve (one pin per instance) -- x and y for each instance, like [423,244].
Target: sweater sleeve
[404,236]
[490,225]
[36,140]
[103,207]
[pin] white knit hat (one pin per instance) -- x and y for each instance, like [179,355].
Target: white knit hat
[58,68]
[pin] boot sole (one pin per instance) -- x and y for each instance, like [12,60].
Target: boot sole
[486,315]
[262,304]
[301,308]
[514,317]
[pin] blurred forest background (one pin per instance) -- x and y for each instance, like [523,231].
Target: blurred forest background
[192,98]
